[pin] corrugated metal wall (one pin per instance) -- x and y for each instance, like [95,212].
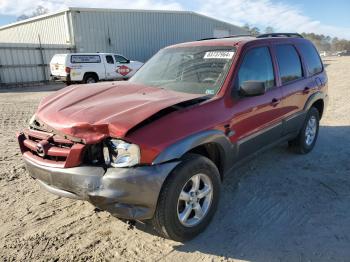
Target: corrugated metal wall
[22,58]
[26,63]
[140,34]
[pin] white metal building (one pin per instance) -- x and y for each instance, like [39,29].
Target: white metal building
[26,47]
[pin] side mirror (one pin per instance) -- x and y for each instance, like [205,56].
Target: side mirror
[253,88]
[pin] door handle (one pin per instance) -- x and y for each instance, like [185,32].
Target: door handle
[306,90]
[275,102]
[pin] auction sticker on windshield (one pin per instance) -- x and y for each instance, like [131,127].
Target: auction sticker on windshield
[219,55]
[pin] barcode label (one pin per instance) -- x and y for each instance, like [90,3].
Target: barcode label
[218,55]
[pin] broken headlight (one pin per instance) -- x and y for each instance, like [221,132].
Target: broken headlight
[32,119]
[118,153]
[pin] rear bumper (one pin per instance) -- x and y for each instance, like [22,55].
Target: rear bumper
[61,78]
[130,193]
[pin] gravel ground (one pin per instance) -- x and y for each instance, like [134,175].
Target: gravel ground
[278,207]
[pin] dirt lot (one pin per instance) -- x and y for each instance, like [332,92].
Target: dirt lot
[279,207]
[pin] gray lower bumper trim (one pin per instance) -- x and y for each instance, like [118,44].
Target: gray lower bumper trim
[130,193]
[57,191]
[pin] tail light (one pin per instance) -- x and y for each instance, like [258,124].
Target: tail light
[67,69]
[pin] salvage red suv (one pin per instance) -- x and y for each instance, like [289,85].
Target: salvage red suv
[157,148]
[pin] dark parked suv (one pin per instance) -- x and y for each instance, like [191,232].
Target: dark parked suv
[157,148]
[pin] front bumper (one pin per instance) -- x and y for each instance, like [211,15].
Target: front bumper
[129,193]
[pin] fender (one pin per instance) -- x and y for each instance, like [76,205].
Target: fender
[313,98]
[178,149]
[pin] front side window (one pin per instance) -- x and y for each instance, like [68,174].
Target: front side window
[289,63]
[120,59]
[195,70]
[257,66]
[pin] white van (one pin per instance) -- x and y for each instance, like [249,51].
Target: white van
[91,67]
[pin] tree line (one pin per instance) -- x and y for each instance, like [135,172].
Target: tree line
[327,43]
[322,42]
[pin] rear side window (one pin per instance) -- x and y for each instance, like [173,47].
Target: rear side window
[257,65]
[289,63]
[312,58]
[109,59]
[85,59]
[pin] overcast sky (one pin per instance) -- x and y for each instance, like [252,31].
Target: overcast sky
[324,17]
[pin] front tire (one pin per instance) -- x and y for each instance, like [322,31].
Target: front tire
[308,134]
[188,200]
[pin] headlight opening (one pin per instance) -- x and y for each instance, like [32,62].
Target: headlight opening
[118,153]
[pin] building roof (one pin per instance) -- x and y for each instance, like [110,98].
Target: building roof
[41,17]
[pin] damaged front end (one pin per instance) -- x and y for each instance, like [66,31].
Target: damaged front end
[79,171]
[77,147]
[50,149]
[129,193]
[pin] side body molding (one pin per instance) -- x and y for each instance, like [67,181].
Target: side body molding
[217,137]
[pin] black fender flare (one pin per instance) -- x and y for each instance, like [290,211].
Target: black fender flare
[313,98]
[217,137]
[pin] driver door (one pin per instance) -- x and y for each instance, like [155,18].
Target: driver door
[123,67]
[257,120]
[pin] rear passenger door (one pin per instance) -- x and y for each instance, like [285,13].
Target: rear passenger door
[294,85]
[257,120]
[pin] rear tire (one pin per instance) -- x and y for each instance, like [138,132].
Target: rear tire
[182,211]
[307,137]
[90,79]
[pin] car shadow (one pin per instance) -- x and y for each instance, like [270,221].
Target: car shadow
[283,206]
[32,89]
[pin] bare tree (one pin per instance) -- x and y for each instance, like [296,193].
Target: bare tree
[252,30]
[255,31]
[40,10]
[269,30]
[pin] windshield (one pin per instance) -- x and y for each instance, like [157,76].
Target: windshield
[195,70]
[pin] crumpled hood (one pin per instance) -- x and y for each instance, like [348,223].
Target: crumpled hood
[93,112]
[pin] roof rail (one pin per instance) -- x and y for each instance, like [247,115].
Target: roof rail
[230,36]
[280,35]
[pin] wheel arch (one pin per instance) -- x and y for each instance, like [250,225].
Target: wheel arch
[91,73]
[316,100]
[212,151]
[213,144]
[319,105]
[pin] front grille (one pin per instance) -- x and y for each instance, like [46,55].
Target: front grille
[50,149]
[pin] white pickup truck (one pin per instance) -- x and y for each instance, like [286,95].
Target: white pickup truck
[91,67]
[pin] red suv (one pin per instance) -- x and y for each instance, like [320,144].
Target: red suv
[157,148]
